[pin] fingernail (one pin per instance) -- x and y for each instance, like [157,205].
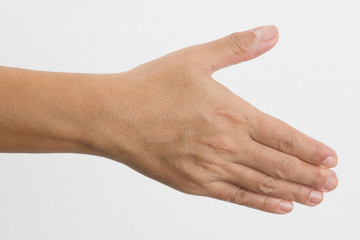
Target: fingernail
[315,198]
[330,162]
[266,33]
[330,184]
[285,206]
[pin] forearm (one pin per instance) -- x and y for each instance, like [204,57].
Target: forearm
[47,111]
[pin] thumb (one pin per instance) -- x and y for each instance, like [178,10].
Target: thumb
[237,47]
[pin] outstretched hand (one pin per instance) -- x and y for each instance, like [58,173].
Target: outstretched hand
[169,120]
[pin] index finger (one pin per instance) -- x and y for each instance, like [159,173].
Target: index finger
[279,135]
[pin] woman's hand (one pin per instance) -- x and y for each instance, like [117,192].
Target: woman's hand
[169,120]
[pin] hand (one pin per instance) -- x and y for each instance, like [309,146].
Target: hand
[169,120]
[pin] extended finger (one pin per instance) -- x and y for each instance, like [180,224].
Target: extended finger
[287,167]
[235,194]
[279,135]
[258,182]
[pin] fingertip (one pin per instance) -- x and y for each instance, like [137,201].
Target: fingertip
[332,182]
[330,162]
[267,32]
[330,158]
[315,198]
[285,207]
[267,36]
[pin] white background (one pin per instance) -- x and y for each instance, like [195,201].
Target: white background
[310,79]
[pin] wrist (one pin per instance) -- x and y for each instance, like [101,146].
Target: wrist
[111,117]
[99,114]
[87,109]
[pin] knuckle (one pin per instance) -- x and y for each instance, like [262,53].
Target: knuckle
[258,124]
[239,196]
[192,188]
[286,143]
[317,156]
[266,203]
[266,186]
[283,168]
[240,44]
[301,194]
[259,156]
[320,178]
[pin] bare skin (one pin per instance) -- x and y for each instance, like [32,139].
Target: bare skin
[169,120]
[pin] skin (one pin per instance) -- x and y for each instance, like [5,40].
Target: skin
[169,120]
